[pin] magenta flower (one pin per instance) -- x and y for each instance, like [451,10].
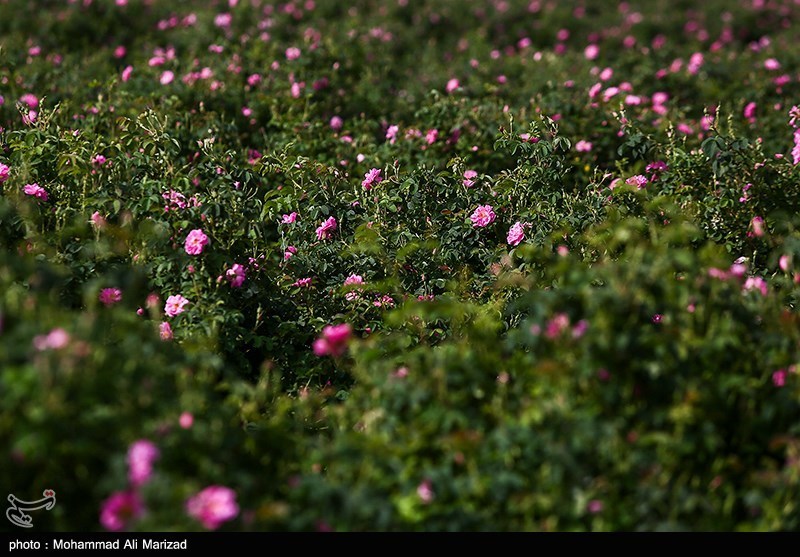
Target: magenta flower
[213,506]
[639,181]
[583,146]
[779,378]
[594,506]
[126,73]
[750,111]
[591,51]
[165,331]
[175,305]
[325,230]
[758,226]
[30,100]
[186,420]
[30,118]
[516,234]
[580,328]
[469,178]
[755,283]
[141,455]
[110,296]
[336,123]
[289,219]
[482,216]
[54,340]
[35,190]
[166,78]
[384,300]
[334,340]
[223,20]
[431,136]
[425,492]
[235,275]
[195,242]
[353,294]
[557,325]
[4,172]
[119,509]
[452,85]
[98,220]
[371,178]
[293,53]
[796,148]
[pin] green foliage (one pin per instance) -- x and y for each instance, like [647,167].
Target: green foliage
[571,280]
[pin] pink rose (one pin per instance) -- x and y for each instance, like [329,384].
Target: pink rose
[195,242]
[482,216]
[213,506]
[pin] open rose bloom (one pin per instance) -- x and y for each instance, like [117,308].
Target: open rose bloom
[213,506]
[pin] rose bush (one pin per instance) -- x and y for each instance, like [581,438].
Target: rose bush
[400,265]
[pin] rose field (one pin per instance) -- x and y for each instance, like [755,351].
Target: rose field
[395,265]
